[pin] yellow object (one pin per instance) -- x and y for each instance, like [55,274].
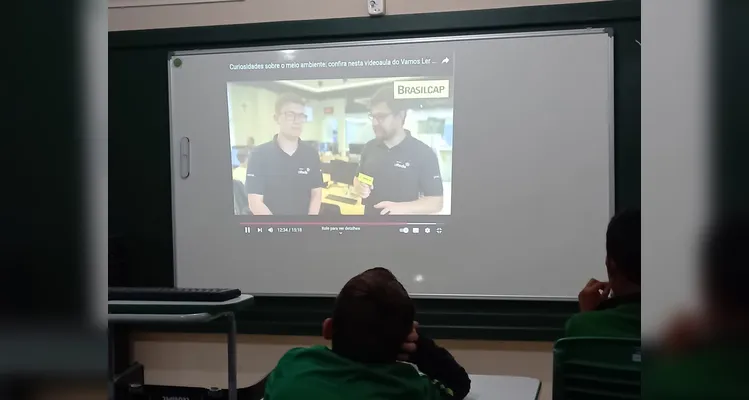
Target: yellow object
[365,179]
[346,209]
[239,174]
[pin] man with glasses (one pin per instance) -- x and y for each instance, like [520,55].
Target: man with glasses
[283,175]
[398,174]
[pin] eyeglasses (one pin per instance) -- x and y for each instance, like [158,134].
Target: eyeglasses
[379,117]
[294,117]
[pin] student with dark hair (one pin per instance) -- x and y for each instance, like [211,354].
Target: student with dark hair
[405,171]
[284,176]
[705,354]
[725,273]
[371,329]
[612,309]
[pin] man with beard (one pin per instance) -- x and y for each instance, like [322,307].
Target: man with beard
[398,174]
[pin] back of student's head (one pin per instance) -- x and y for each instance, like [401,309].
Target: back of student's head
[725,268]
[623,244]
[372,317]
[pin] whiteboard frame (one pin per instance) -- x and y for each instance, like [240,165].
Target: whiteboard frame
[452,38]
[115,4]
[379,42]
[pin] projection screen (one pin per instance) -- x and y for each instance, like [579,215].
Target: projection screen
[471,166]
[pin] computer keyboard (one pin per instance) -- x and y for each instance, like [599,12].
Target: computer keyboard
[172,294]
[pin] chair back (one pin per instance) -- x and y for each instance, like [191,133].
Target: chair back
[597,368]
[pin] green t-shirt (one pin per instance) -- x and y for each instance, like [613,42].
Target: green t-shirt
[718,372]
[319,373]
[619,320]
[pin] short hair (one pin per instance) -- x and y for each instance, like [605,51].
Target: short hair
[724,266]
[288,98]
[372,317]
[623,243]
[385,95]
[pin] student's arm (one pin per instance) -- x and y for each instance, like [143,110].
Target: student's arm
[257,391]
[255,186]
[438,364]
[430,185]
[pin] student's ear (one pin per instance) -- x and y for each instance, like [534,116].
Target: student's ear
[327,329]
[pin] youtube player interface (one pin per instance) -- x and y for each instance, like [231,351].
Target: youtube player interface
[368,150]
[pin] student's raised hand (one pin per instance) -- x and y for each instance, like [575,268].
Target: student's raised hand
[409,346]
[593,294]
[362,189]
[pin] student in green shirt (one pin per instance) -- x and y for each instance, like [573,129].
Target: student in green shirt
[705,354]
[371,329]
[612,309]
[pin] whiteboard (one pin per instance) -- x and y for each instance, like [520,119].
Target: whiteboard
[532,185]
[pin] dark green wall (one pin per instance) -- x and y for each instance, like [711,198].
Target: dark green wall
[729,134]
[139,162]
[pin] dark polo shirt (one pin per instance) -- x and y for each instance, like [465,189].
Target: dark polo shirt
[401,173]
[285,181]
[617,317]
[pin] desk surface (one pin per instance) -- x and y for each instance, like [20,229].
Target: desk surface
[177,307]
[241,299]
[494,387]
[162,318]
[502,387]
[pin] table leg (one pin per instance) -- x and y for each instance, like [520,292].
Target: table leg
[232,355]
[112,371]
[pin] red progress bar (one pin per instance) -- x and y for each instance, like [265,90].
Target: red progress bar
[327,223]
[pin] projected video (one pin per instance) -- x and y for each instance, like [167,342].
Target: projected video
[338,147]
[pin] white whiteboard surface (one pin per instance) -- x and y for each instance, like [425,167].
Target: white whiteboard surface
[532,176]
